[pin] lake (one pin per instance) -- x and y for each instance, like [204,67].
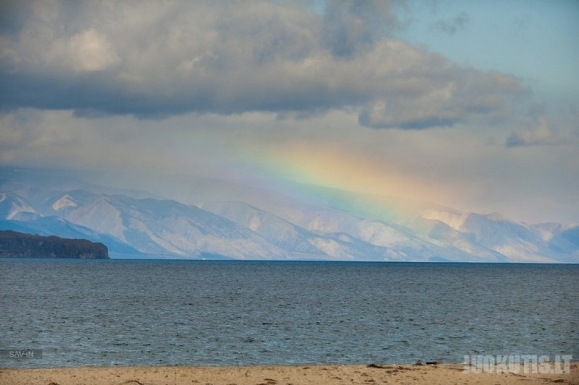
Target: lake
[166,312]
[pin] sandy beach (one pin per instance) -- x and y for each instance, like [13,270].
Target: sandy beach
[282,375]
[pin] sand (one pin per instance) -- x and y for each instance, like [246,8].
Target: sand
[277,375]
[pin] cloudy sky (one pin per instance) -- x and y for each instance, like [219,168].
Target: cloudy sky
[469,104]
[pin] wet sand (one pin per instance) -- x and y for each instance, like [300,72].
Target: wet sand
[278,375]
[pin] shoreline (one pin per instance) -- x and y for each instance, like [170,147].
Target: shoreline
[280,375]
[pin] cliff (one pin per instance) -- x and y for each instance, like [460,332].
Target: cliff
[20,245]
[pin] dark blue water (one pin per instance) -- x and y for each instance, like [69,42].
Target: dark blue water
[114,312]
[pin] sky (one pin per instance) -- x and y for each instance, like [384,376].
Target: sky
[468,104]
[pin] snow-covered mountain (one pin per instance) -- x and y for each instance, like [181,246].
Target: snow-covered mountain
[347,236]
[15,208]
[158,227]
[516,241]
[275,227]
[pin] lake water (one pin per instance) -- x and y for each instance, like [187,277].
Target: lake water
[155,312]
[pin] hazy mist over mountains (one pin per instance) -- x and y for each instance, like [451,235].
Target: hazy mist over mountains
[217,219]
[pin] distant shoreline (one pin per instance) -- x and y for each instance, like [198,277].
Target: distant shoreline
[14,244]
[284,261]
[279,374]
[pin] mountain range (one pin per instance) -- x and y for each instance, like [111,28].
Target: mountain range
[272,226]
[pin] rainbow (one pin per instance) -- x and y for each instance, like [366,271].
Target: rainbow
[328,177]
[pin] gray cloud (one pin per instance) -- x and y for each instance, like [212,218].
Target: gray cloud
[541,134]
[350,27]
[154,60]
[445,96]
[450,27]
[537,130]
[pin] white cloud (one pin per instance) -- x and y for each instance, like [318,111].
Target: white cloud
[90,51]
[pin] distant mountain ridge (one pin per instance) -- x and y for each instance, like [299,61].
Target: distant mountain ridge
[142,226]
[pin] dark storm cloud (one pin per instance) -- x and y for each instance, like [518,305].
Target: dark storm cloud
[153,60]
